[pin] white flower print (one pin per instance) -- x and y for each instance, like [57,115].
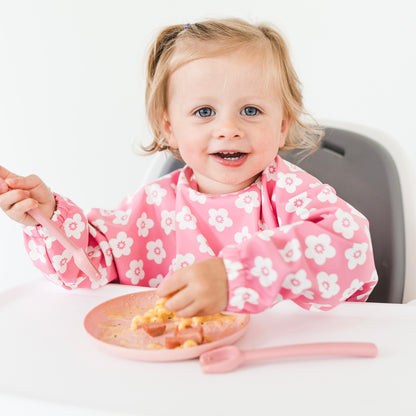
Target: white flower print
[356,255]
[327,195]
[144,224]
[60,261]
[197,197]
[121,244]
[263,269]
[103,278]
[106,212]
[74,226]
[185,219]
[54,278]
[233,268]
[355,285]
[327,284]
[288,181]
[100,225]
[107,252]
[242,295]
[74,285]
[243,236]
[155,194]
[291,252]
[319,248]
[203,245]
[36,252]
[248,201]
[93,251]
[136,272]
[122,217]
[156,281]
[297,282]
[182,260]
[265,235]
[219,219]
[168,221]
[298,204]
[344,224]
[155,251]
[286,228]
[271,171]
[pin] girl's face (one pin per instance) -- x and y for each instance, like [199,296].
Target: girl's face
[226,119]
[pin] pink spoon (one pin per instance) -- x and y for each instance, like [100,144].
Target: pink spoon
[80,257]
[228,358]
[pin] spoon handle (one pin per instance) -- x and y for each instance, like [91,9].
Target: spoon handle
[358,349]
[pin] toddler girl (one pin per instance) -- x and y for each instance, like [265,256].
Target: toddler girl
[238,228]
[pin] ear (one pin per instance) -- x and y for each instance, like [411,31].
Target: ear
[284,130]
[166,128]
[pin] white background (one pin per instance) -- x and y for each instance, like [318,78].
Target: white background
[72,89]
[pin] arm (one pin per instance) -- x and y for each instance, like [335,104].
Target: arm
[319,256]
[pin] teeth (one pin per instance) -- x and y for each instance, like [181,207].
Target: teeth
[231,155]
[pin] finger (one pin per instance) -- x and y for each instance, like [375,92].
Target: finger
[190,310]
[28,182]
[179,301]
[10,198]
[19,211]
[172,284]
[4,173]
[3,187]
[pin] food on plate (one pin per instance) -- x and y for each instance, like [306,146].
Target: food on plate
[183,332]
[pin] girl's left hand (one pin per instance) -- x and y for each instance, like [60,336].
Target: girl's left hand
[197,290]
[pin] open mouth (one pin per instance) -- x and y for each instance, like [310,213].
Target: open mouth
[230,155]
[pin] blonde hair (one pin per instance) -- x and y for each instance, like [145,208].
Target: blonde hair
[180,44]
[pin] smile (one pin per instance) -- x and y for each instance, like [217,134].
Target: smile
[230,155]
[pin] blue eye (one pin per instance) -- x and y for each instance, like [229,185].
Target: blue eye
[205,112]
[250,111]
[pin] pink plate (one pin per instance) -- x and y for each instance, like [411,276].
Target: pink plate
[109,326]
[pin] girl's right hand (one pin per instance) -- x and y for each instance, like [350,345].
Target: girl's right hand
[20,194]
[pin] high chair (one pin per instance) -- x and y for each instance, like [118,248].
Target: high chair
[363,173]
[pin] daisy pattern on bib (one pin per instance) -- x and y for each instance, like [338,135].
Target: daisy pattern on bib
[36,252]
[244,295]
[185,219]
[344,224]
[144,224]
[120,245]
[327,284]
[298,205]
[356,255]
[248,201]
[319,248]
[60,261]
[155,251]
[136,272]
[122,217]
[168,221]
[155,194]
[263,269]
[74,226]
[291,251]
[233,268]
[288,181]
[219,219]
[297,282]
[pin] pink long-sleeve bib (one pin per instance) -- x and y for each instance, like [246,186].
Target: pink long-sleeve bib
[287,236]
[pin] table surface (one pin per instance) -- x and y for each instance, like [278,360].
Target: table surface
[48,364]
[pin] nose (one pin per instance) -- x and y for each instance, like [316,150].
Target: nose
[228,128]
